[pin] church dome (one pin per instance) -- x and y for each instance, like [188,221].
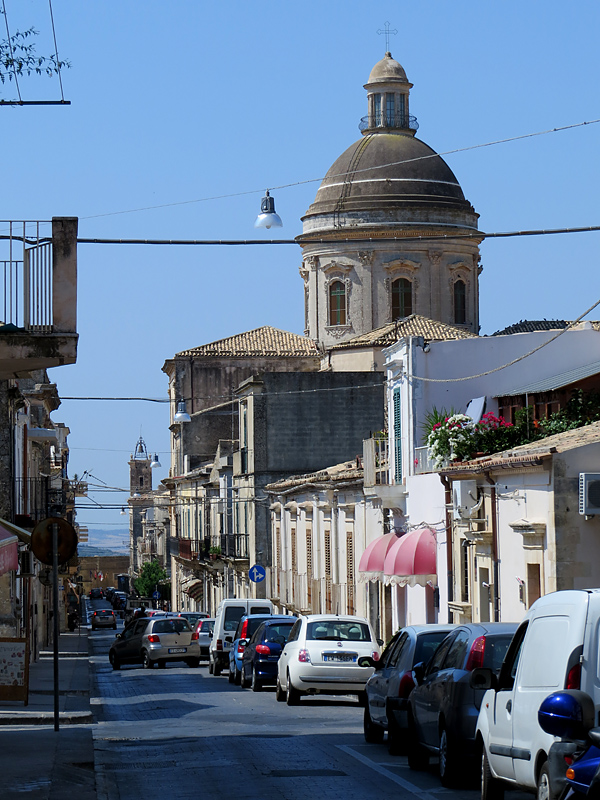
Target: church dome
[387,178]
[386,70]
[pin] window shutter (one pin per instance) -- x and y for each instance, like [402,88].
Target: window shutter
[397,438]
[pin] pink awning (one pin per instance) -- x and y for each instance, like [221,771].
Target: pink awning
[9,557]
[372,560]
[412,559]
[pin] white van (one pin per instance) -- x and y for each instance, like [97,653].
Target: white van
[556,647]
[229,613]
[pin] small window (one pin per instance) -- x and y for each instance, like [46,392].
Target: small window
[458,652]
[377,109]
[440,655]
[337,303]
[460,302]
[401,298]
[390,110]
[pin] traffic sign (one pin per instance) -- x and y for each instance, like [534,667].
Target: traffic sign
[156,595]
[257,573]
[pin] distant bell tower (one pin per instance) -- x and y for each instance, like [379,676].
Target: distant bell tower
[140,489]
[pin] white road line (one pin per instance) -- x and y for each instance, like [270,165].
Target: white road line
[410,787]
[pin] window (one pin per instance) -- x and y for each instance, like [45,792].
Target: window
[401,298]
[458,652]
[377,108]
[402,110]
[440,654]
[337,303]
[390,110]
[534,584]
[460,302]
[397,438]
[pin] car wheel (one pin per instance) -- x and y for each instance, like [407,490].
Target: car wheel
[114,661]
[447,759]
[373,732]
[256,684]
[491,788]
[292,696]
[362,699]
[210,667]
[543,783]
[243,681]
[216,668]
[193,662]
[279,693]
[231,674]
[237,676]
[418,757]
[146,663]
[115,627]
[396,738]
[162,664]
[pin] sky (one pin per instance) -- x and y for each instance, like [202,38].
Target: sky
[176,103]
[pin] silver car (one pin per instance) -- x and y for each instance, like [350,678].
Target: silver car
[155,641]
[204,629]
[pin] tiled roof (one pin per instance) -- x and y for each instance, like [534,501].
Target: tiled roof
[533,325]
[347,471]
[265,341]
[414,325]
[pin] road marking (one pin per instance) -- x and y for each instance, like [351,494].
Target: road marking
[410,787]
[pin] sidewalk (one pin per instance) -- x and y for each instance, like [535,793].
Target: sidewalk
[34,758]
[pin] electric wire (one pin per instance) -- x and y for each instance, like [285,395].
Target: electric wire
[62,94]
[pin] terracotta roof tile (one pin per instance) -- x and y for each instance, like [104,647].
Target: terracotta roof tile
[414,325]
[265,341]
[533,325]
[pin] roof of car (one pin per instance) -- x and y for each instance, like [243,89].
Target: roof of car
[332,617]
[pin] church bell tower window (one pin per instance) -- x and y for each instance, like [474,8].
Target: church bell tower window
[337,303]
[401,299]
[460,302]
[390,111]
[377,109]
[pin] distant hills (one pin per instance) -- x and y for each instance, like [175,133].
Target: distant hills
[115,540]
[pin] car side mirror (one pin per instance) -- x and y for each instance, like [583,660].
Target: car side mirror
[118,636]
[243,642]
[380,642]
[419,672]
[366,661]
[483,678]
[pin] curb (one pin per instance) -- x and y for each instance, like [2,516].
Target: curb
[46,718]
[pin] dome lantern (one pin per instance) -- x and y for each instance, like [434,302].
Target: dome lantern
[388,91]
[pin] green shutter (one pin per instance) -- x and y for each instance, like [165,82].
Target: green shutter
[397,438]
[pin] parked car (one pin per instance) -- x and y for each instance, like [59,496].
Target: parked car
[109,591]
[555,648]
[229,613]
[263,650]
[245,629]
[389,686]
[105,618]
[155,640]
[321,657]
[204,628]
[96,593]
[443,707]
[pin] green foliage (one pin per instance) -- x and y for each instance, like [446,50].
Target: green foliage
[435,417]
[151,574]
[19,56]
[215,551]
[582,409]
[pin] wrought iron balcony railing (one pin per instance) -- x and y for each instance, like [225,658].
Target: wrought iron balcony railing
[383,121]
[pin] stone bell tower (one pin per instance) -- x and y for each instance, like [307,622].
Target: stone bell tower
[140,500]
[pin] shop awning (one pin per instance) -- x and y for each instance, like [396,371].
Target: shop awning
[372,560]
[412,559]
[195,590]
[9,555]
[21,534]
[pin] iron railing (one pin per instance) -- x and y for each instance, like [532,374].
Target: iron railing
[389,121]
[26,276]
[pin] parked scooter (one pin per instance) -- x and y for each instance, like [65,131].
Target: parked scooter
[574,762]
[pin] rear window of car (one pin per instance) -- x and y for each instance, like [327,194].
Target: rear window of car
[253,626]
[176,625]
[338,630]
[427,644]
[495,650]
[274,633]
[233,615]
[207,627]
[260,610]
[104,613]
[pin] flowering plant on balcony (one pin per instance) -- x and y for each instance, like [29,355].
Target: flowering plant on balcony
[450,439]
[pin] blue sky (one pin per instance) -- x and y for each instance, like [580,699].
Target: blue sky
[175,102]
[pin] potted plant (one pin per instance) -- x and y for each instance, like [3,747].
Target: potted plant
[214,552]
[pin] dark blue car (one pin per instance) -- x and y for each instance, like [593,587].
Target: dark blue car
[261,654]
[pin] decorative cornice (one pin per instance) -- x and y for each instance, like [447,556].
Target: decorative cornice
[337,267]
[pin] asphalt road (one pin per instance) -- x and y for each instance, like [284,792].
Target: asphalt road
[182,733]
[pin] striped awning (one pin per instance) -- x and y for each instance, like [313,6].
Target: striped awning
[195,590]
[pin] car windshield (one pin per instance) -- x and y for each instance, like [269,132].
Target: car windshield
[338,630]
[427,644]
[171,625]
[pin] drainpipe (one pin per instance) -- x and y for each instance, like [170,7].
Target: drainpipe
[495,548]
[448,504]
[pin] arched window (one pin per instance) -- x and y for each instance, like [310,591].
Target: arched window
[337,303]
[460,302]
[401,298]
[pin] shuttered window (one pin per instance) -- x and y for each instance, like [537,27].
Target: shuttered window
[350,571]
[397,438]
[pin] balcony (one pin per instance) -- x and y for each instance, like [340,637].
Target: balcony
[38,295]
[423,463]
[383,121]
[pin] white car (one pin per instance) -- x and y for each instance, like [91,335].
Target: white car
[322,654]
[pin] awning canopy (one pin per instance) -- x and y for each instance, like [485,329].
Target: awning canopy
[21,534]
[195,590]
[412,559]
[372,560]
[9,555]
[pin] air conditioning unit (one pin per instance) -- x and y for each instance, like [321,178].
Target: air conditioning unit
[464,498]
[26,564]
[589,493]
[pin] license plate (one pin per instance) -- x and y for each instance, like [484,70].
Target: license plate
[338,657]
[177,649]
